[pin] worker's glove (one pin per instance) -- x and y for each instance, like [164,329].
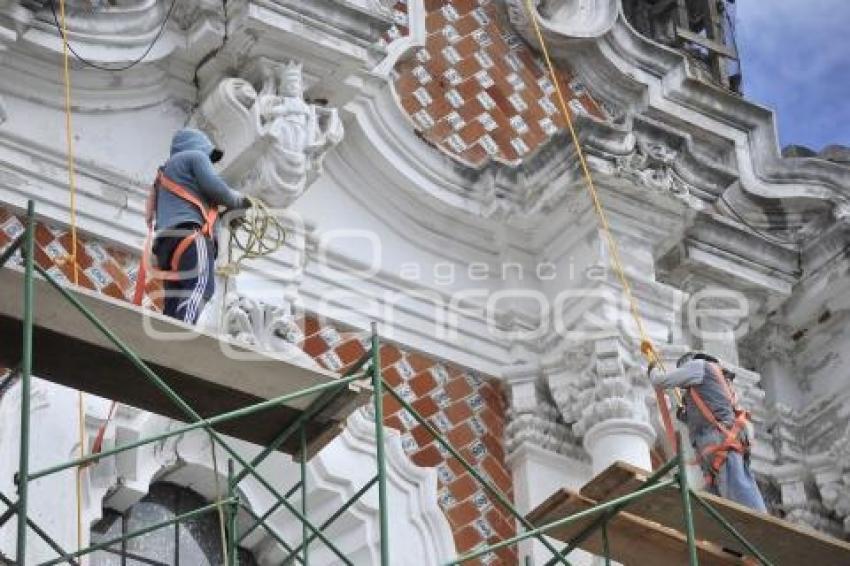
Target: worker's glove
[244,203]
[237,213]
[649,369]
[237,221]
[682,413]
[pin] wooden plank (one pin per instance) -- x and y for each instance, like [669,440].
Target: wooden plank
[632,540]
[616,480]
[212,375]
[782,542]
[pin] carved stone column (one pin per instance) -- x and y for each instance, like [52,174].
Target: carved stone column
[534,418]
[542,451]
[607,404]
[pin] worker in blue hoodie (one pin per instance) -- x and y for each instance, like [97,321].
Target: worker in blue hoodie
[184,212]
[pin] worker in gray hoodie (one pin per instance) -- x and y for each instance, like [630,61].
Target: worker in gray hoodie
[716,425]
[183,214]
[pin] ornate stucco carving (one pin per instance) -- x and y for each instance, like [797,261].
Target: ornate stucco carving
[809,462]
[273,140]
[833,477]
[334,475]
[651,165]
[576,19]
[263,326]
[540,423]
[609,388]
[533,418]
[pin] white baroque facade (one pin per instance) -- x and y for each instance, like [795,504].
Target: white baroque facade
[429,184]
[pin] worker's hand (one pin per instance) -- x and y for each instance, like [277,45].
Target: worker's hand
[237,221]
[236,216]
[649,368]
[245,203]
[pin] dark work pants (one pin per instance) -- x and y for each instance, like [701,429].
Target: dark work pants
[185,297]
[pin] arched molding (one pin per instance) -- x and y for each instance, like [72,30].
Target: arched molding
[419,530]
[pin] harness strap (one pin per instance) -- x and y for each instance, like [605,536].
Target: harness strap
[210,215]
[144,267]
[179,250]
[730,440]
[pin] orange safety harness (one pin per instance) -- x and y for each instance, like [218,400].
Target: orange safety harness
[716,454]
[210,215]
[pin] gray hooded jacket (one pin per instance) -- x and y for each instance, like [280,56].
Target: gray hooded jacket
[191,167]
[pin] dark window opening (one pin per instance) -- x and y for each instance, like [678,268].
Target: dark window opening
[196,542]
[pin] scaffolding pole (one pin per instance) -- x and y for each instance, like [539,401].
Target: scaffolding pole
[26,381]
[325,394]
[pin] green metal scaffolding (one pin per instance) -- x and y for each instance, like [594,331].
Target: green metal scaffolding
[367,368]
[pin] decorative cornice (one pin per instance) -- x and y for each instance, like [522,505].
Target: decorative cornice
[684,95]
[578,20]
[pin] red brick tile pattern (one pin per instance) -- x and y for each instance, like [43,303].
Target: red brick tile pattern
[476,90]
[470,412]
[98,267]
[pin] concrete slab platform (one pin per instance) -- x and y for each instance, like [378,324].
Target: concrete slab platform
[212,375]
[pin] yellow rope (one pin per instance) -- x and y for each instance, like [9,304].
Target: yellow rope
[69,142]
[259,233]
[647,346]
[72,257]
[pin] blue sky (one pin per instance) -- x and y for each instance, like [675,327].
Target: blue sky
[796,59]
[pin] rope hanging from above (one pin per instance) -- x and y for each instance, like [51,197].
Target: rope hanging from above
[647,347]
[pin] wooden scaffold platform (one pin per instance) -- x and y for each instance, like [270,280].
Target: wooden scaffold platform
[648,529]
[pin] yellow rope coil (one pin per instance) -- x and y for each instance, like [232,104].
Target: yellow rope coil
[256,234]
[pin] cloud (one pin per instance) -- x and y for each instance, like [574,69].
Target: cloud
[795,56]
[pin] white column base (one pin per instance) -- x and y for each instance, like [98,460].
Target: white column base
[622,440]
[537,474]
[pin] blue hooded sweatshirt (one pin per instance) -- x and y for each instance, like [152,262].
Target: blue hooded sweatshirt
[190,166]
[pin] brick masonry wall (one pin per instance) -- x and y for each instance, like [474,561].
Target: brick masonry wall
[99,267]
[469,409]
[476,90]
[466,407]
